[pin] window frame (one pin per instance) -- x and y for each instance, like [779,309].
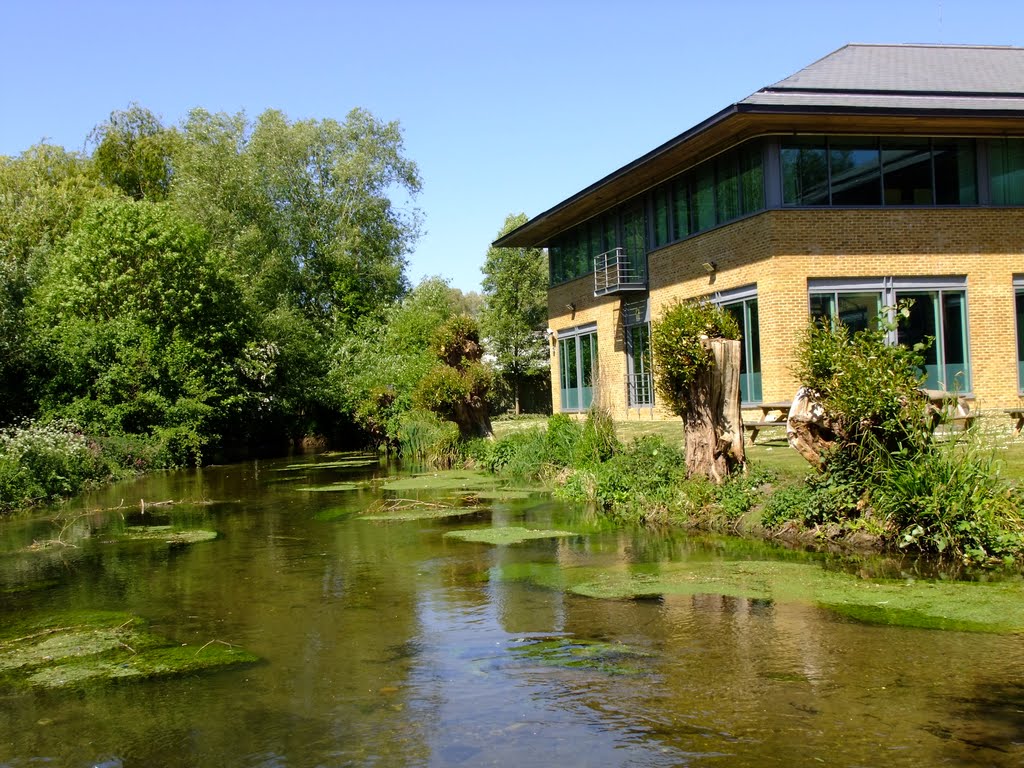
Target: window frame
[889,289]
[575,336]
[637,314]
[1018,293]
[744,296]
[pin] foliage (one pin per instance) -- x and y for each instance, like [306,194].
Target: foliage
[43,461]
[679,355]
[133,153]
[885,463]
[869,386]
[457,386]
[515,289]
[425,438]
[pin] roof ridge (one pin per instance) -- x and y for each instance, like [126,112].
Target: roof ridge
[986,46]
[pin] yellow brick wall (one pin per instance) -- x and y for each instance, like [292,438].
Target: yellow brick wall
[780,250]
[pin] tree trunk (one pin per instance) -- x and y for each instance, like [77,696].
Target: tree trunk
[808,427]
[516,391]
[714,423]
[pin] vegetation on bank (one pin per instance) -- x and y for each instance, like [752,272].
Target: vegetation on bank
[225,286]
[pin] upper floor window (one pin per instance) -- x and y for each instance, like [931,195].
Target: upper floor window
[1006,171]
[870,171]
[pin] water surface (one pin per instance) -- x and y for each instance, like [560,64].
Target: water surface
[389,644]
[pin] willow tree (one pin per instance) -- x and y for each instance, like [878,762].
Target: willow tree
[697,363]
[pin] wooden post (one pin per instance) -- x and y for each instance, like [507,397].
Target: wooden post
[714,422]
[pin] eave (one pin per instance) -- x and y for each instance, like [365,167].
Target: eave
[744,121]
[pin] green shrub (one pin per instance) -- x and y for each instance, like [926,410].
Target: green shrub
[790,502]
[679,354]
[423,437]
[44,461]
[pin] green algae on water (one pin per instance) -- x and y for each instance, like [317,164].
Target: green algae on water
[579,653]
[964,606]
[333,487]
[506,535]
[72,649]
[166,534]
[450,480]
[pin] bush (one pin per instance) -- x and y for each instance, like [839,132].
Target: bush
[679,354]
[44,461]
[424,437]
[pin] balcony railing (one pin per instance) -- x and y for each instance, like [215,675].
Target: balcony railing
[639,390]
[613,272]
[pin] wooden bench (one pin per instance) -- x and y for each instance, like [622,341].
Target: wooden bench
[754,427]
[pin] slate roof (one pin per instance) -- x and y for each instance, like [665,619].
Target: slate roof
[955,70]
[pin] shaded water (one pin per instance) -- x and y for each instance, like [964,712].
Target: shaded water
[388,644]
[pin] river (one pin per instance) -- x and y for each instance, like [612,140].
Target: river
[388,643]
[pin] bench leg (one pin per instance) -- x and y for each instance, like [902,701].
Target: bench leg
[1020,423]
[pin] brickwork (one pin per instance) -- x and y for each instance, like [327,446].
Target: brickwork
[780,250]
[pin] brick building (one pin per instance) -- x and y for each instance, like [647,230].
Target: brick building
[876,174]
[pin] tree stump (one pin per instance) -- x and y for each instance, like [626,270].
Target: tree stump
[713,421]
[809,429]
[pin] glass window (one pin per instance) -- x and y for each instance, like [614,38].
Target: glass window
[1020,339]
[907,171]
[727,188]
[745,313]
[1006,171]
[751,178]
[939,320]
[639,378]
[856,310]
[661,216]
[577,358]
[854,171]
[704,198]
[956,175]
[681,207]
[804,172]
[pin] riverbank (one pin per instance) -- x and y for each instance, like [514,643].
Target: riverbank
[964,506]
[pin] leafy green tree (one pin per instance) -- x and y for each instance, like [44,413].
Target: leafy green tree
[43,191]
[515,310]
[133,152]
[457,387]
[142,328]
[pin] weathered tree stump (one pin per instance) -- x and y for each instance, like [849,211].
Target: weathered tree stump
[809,429]
[714,423]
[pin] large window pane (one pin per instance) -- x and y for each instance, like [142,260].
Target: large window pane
[704,197]
[751,178]
[639,383]
[804,172]
[745,313]
[661,216]
[956,175]
[1006,171]
[907,171]
[577,359]
[823,307]
[727,188]
[1020,341]
[634,225]
[854,171]
[922,327]
[955,373]
[681,207]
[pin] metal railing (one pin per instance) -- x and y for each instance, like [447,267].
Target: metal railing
[639,390]
[613,272]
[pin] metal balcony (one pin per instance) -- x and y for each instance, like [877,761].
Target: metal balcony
[614,273]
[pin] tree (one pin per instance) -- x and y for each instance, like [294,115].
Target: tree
[515,310]
[458,385]
[133,153]
[142,327]
[697,360]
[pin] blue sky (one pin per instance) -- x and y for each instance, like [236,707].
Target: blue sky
[505,107]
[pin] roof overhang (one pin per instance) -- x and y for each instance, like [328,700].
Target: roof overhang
[743,121]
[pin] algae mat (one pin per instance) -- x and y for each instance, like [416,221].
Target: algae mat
[580,653]
[507,535]
[75,649]
[964,606]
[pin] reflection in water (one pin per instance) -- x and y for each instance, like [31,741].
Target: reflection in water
[388,644]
